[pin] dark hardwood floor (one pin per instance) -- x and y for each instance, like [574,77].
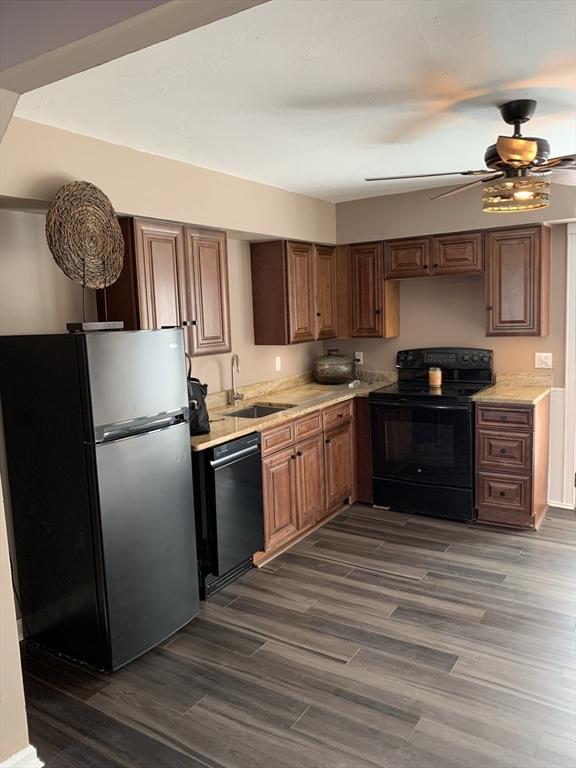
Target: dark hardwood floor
[380,640]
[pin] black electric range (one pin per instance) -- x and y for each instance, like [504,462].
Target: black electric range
[423,438]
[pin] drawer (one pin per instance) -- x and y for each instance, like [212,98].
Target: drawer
[503,492]
[519,417]
[337,414]
[308,426]
[503,450]
[277,438]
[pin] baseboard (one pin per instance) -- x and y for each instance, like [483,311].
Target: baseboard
[560,505]
[26,758]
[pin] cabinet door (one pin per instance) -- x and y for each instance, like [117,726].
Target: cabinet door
[517,282]
[408,258]
[301,315]
[338,467]
[208,277]
[161,275]
[325,283]
[459,254]
[279,488]
[366,277]
[310,481]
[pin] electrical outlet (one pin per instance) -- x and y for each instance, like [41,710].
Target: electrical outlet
[543,360]
[360,357]
[278,363]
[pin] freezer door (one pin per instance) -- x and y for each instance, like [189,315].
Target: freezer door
[135,374]
[148,538]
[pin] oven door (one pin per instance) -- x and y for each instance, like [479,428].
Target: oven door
[423,443]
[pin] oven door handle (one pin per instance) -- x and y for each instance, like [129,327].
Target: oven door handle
[428,406]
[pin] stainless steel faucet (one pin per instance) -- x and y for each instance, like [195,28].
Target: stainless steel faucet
[233,395]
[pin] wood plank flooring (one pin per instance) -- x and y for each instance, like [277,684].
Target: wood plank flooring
[382,639]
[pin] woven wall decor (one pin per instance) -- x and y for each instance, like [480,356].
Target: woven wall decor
[84,236]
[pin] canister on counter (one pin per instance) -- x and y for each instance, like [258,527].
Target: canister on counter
[435,378]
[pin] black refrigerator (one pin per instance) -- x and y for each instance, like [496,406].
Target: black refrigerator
[99,466]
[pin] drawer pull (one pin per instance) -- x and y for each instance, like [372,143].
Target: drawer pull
[502,493]
[502,450]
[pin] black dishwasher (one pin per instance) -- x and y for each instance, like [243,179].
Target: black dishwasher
[229,510]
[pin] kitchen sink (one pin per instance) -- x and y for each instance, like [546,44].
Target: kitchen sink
[258,410]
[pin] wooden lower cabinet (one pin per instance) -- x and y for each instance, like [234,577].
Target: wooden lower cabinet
[309,481]
[338,472]
[308,473]
[279,489]
[512,463]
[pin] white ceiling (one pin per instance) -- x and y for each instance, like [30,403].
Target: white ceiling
[314,95]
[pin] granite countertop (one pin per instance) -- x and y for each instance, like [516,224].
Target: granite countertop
[305,399]
[512,393]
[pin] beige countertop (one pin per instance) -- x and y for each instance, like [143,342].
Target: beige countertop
[304,399]
[512,393]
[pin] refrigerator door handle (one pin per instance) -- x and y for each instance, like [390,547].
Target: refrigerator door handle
[111,432]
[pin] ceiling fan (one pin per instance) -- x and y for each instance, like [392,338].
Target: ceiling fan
[517,176]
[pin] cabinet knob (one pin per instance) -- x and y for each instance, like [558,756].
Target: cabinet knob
[298,453]
[502,450]
[327,442]
[293,456]
[377,312]
[489,307]
[318,314]
[434,266]
[502,493]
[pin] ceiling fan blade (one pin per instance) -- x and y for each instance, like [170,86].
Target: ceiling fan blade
[429,175]
[563,161]
[516,151]
[467,186]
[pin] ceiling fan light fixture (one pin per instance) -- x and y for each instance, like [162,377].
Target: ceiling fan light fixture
[514,195]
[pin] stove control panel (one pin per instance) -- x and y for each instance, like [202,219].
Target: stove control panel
[445,357]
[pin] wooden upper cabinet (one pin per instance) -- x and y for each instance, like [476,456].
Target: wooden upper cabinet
[407,258]
[325,290]
[172,275]
[293,292]
[517,281]
[373,301]
[301,315]
[457,254]
[163,296]
[208,270]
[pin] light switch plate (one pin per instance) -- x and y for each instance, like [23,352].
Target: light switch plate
[360,357]
[543,360]
[278,363]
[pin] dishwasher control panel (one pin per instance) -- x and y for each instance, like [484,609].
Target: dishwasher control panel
[236,446]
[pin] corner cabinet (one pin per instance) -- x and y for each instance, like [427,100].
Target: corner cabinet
[517,281]
[293,292]
[374,311]
[173,275]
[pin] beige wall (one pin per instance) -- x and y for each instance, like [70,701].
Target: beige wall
[13,727]
[414,213]
[36,160]
[449,311]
